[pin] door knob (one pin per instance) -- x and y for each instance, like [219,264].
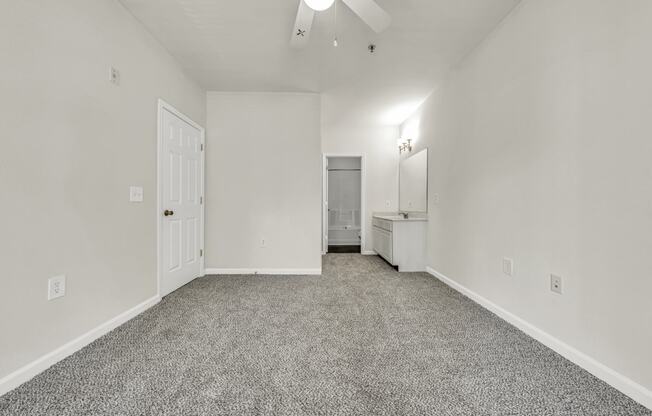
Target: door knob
[167,212]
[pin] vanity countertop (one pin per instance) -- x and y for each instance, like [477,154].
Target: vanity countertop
[395,217]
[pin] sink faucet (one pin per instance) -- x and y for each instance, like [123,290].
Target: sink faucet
[404,215]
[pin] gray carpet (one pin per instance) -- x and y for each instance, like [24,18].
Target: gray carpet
[360,340]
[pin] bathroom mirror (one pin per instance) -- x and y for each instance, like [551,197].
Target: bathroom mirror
[413,183]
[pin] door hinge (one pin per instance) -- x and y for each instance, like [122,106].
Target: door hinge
[201,199]
[202,147]
[201,253]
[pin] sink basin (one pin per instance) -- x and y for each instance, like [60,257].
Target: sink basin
[400,218]
[392,217]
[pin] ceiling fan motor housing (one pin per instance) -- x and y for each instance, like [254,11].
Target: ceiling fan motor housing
[367,10]
[319,5]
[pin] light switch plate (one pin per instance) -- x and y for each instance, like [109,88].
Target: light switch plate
[56,287]
[135,194]
[508,266]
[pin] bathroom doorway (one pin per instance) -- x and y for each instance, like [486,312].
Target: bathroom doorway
[343,204]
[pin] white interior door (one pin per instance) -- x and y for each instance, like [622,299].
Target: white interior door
[181,199]
[324,221]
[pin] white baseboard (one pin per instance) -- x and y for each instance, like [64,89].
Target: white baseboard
[369,253]
[218,271]
[601,371]
[27,372]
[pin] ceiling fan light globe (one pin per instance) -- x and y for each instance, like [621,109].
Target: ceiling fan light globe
[319,5]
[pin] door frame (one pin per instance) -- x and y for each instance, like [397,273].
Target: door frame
[163,105]
[363,198]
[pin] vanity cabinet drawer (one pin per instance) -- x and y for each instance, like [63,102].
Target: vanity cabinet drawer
[382,223]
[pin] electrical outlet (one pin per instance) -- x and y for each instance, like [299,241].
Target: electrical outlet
[555,284]
[508,266]
[388,203]
[56,287]
[435,199]
[114,76]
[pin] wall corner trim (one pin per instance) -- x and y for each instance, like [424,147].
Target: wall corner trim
[275,272]
[27,372]
[616,380]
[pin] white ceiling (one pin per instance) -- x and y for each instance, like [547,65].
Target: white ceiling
[243,45]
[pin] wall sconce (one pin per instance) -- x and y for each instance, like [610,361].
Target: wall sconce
[405,147]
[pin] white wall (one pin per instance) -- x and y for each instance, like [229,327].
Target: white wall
[263,175]
[72,144]
[378,144]
[540,151]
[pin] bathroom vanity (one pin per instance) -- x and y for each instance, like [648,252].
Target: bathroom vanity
[401,241]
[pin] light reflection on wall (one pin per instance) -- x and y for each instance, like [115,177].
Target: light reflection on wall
[400,113]
[411,130]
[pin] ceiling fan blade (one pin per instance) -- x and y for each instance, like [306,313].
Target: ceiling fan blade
[371,13]
[301,31]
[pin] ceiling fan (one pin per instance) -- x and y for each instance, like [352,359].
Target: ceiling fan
[367,10]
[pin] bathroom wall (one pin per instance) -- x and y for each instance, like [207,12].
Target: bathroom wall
[540,151]
[378,144]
